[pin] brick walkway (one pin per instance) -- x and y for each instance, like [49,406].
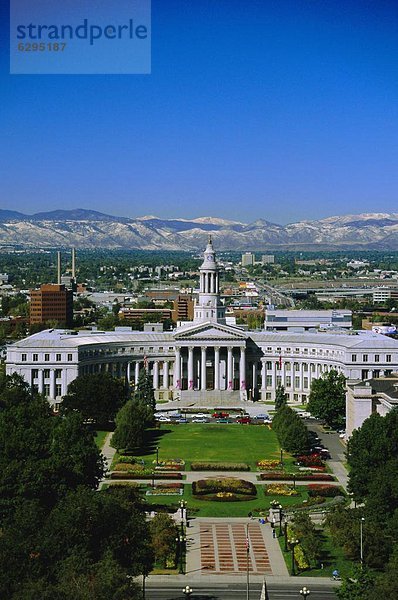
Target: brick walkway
[223,548]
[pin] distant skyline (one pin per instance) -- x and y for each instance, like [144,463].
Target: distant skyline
[285,110]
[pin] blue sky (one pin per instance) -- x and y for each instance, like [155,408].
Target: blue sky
[284,110]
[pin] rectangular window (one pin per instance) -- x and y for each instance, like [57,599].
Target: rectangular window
[23,357]
[305,383]
[279,380]
[305,367]
[297,382]
[70,357]
[58,357]
[56,407]
[269,365]
[58,373]
[288,381]
[35,373]
[46,373]
[365,358]
[388,357]
[377,357]
[354,357]
[35,357]
[46,358]
[295,397]
[287,366]
[58,390]
[47,389]
[268,395]
[269,380]
[312,368]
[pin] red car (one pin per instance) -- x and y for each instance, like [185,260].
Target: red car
[244,420]
[220,415]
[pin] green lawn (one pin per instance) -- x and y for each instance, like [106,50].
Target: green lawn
[205,508]
[100,438]
[212,442]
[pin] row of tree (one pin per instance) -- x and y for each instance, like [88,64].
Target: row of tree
[61,539]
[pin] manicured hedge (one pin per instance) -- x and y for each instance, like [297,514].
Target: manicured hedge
[219,466]
[229,484]
[278,476]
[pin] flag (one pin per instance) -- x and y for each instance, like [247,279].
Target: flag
[280,361]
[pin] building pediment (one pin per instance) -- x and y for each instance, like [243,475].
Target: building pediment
[210,331]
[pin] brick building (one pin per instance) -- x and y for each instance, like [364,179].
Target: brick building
[52,302]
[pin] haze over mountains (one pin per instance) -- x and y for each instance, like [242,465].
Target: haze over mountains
[91,229]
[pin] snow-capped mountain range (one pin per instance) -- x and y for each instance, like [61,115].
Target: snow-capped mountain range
[91,229]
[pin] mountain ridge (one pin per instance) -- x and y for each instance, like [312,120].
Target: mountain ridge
[85,228]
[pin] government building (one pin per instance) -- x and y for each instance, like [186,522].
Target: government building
[205,361]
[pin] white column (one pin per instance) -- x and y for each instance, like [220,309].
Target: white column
[137,371]
[301,376]
[263,374]
[52,384]
[64,384]
[216,368]
[41,381]
[190,368]
[242,369]
[274,375]
[156,375]
[177,369]
[128,372]
[203,368]
[230,374]
[166,375]
[254,386]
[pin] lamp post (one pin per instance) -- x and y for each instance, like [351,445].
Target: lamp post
[293,543]
[187,591]
[361,538]
[280,518]
[182,506]
[285,532]
[157,455]
[304,592]
[181,539]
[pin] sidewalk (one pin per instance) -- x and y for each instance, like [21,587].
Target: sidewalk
[108,452]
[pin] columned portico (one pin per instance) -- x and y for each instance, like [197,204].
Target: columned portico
[203,368]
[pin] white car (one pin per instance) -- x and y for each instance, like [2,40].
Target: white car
[164,419]
[199,420]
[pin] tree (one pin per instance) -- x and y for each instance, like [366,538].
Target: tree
[281,397]
[357,586]
[386,584]
[163,533]
[144,391]
[291,432]
[97,397]
[327,398]
[131,421]
[304,530]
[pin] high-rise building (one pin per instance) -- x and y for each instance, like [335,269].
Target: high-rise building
[268,259]
[51,303]
[247,259]
[183,308]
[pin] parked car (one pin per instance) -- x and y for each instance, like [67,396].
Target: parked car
[199,420]
[164,419]
[244,420]
[261,417]
[220,415]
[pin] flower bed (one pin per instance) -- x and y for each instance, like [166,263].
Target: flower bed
[205,487]
[325,491]
[132,467]
[143,475]
[131,460]
[268,464]
[219,466]
[312,460]
[170,463]
[168,468]
[164,490]
[281,476]
[280,489]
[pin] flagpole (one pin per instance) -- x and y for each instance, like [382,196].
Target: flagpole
[247,561]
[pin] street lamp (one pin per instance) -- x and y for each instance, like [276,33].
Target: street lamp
[157,455]
[361,538]
[304,592]
[285,533]
[276,506]
[181,539]
[187,591]
[182,506]
[293,543]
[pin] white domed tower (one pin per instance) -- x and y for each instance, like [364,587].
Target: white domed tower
[209,307]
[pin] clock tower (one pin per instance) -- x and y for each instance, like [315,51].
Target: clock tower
[209,307]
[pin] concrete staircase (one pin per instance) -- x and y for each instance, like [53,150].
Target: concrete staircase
[213,398]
